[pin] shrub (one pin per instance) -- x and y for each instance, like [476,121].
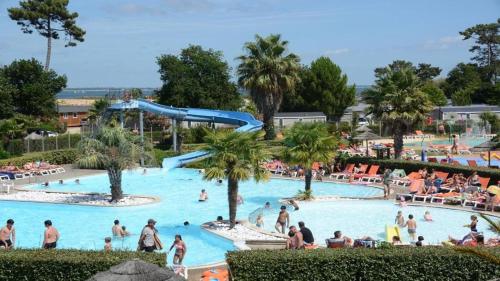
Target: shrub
[58,157]
[411,263]
[412,166]
[64,265]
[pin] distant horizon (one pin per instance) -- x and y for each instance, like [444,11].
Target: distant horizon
[124,38]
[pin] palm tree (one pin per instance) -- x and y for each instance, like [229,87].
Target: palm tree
[306,143]
[268,72]
[236,157]
[396,99]
[96,111]
[113,149]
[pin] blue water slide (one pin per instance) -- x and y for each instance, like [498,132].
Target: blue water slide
[245,121]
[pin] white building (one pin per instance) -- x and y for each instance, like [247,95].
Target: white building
[287,119]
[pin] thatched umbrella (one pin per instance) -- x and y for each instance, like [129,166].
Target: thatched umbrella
[487,146]
[137,270]
[366,136]
[363,128]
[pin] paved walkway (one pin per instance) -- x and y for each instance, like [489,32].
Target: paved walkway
[69,174]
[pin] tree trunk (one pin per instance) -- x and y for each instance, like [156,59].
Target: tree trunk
[268,117]
[232,197]
[398,140]
[308,178]
[115,179]
[49,47]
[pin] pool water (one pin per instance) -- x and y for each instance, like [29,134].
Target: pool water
[358,218]
[85,227]
[466,141]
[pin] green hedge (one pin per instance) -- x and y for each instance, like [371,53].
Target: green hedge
[409,263]
[413,166]
[64,265]
[58,157]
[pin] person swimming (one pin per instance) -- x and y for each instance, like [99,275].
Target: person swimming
[186,223]
[61,181]
[267,205]
[125,232]
[203,196]
[77,181]
[239,199]
[427,216]
[219,182]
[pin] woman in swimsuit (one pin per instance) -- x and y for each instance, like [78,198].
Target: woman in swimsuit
[180,249]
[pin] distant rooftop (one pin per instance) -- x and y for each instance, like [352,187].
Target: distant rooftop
[73,108]
[473,108]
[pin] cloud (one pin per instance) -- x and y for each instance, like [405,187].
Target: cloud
[442,43]
[336,51]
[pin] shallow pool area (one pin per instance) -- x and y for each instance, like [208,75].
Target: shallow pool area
[358,218]
[85,227]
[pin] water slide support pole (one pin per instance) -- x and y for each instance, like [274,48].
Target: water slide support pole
[174,133]
[122,119]
[141,129]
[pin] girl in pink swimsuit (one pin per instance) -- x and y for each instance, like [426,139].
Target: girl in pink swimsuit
[180,249]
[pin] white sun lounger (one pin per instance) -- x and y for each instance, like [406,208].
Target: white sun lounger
[61,170]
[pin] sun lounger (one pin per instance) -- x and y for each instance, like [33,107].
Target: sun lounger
[371,176]
[443,197]
[407,181]
[414,189]
[442,175]
[333,244]
[60,170]
[484,182]
[348,171]
[472,163]
[4,178]
[432,160]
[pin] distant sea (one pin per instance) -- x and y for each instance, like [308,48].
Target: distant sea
[113,93]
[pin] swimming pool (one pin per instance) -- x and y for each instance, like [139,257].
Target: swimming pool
[85,227]
[466,141]
[358,218]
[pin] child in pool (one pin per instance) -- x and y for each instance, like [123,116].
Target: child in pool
[107,244]
[400,220]
[259,222]
[402,202]
[427,216]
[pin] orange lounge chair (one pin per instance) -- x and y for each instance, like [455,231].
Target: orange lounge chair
[484,182]
[442,175]
[472,163]
[345,174]
[415,188]
[371,176]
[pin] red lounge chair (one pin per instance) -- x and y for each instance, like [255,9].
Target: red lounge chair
[345,174]
[484,182]
[472,163]
[442,175]
[371,176]
[432,160]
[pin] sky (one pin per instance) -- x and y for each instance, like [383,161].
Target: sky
[124,37]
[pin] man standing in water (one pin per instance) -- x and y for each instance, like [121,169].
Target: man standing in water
[283,220]
[149,241]
[387,182]
[117,229]
[412,227]
[50,236]
[8,235]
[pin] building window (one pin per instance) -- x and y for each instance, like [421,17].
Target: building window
[75,115]
[65,115]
